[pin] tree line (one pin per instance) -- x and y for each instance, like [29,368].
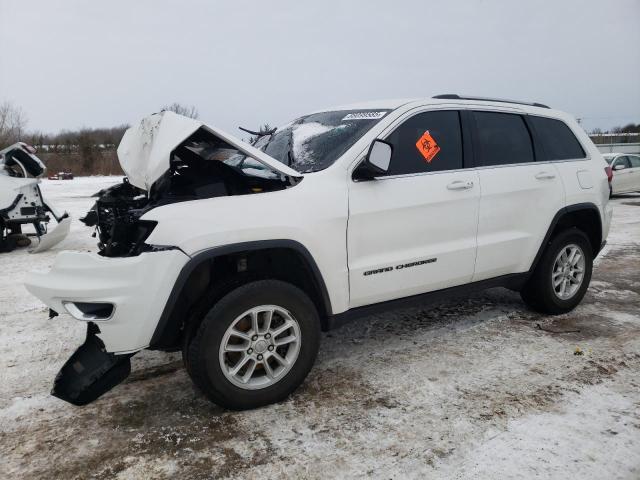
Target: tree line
[84,151]
[91,151]
[13,128]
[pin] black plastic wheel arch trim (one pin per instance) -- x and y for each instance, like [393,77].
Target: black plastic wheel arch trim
[554,222]
[214,252]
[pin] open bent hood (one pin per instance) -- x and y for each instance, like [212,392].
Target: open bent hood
[145,149]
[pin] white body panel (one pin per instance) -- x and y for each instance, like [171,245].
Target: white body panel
[133,285]
[54,236]
[411,218]
[11,187]
[314,216]
[494,228]
[517,205]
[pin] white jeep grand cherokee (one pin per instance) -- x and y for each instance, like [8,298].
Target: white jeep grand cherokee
[239,255]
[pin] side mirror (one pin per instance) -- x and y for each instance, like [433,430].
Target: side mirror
[619,167]
[376,162]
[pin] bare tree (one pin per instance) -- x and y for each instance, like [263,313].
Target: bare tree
[264,130]
[187,111]
[12,123]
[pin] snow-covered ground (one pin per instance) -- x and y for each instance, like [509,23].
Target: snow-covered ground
[465,389]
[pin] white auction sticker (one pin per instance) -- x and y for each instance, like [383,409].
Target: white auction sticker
[364,116]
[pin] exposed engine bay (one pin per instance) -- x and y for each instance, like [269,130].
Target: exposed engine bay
[21,201]
[202,166]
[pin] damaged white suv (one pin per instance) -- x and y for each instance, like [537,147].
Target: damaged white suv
[240,255]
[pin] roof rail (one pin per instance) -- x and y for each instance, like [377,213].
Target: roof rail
[454,96]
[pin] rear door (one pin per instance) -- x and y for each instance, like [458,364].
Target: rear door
[519,195]
[414,229]
[635,168]
[622,179]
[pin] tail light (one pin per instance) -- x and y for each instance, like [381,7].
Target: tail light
[609,172]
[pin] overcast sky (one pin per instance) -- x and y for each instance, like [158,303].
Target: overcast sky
[77,63]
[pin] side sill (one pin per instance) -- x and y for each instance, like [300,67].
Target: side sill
[513,281]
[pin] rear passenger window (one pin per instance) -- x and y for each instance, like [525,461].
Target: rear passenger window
[503,139]
[557,139]
[427,142]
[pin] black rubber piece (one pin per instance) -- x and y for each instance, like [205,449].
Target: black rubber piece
[7,242]
[90,372]
[204,366]
[538,292]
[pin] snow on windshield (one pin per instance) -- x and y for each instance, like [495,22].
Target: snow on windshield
[314,142]
[302,134]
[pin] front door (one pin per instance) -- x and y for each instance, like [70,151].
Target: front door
[414,229]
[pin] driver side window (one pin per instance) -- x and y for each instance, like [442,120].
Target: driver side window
[427,142]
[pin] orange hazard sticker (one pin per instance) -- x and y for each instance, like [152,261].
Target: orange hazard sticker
[427,146]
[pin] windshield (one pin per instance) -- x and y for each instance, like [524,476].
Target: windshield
[313,142]
[609,159]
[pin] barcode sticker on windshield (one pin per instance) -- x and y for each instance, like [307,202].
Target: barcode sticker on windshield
[364,116]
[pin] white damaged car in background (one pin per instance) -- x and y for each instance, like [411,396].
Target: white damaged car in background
[21,201]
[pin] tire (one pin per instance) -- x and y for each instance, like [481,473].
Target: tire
[210,365]
[539,292]
[7,242]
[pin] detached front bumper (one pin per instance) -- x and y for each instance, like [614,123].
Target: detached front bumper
[120,299]
[134,291]
[90,371]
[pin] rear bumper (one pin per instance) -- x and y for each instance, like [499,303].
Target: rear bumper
[137,288]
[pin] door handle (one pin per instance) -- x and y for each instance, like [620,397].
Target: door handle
[545,176]
[460,185]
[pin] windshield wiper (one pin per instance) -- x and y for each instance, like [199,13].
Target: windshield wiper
[259,134]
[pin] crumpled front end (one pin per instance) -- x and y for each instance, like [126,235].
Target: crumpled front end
[121,301]
[146,148]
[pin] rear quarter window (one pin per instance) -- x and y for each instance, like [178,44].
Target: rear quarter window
[557,140]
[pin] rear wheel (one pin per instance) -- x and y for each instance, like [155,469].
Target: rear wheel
[255,346]
[562,276]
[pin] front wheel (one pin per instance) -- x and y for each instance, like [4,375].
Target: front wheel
[562,276]
[255,346]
